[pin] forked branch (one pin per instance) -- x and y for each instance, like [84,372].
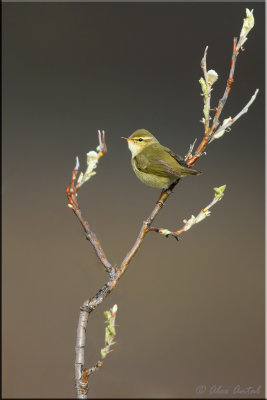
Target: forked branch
[72,194]
[210,78]
[115,272]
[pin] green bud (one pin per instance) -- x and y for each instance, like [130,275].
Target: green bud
[103,353]
[203,85]
[80,178]
[219,192]
[107,314]
[111,329]
[248,23]
[250,18]
[107,334]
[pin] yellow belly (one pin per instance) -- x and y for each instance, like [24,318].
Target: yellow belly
[155,181]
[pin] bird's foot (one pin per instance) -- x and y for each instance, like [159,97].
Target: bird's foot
[175,237]
[148,223]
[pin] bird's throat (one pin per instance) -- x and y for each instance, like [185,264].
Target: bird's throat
[134,148]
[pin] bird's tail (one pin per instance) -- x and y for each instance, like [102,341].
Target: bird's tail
[190,171]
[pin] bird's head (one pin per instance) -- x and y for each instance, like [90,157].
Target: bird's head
[139,140]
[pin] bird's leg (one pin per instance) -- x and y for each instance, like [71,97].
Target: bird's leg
[161,194]
[168,190]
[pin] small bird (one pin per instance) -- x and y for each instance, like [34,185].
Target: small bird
[154,164]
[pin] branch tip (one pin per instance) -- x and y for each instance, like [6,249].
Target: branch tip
[77,165]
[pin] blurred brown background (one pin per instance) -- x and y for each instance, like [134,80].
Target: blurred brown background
[190,313]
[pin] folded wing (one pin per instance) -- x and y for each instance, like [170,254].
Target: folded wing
[152,162]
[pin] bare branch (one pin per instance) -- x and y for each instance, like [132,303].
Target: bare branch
[230,82]
[72,194]
[81,373]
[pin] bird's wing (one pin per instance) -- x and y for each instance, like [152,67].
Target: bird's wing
[151,164]
[173,165]
[178,158]
[182,162]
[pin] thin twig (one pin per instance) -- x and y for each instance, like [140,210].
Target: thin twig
[191,148]
[231,121]
[204,63]
[219,192]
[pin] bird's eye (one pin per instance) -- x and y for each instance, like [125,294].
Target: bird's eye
[140,139]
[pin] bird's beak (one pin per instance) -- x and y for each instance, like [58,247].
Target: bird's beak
[125,138]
